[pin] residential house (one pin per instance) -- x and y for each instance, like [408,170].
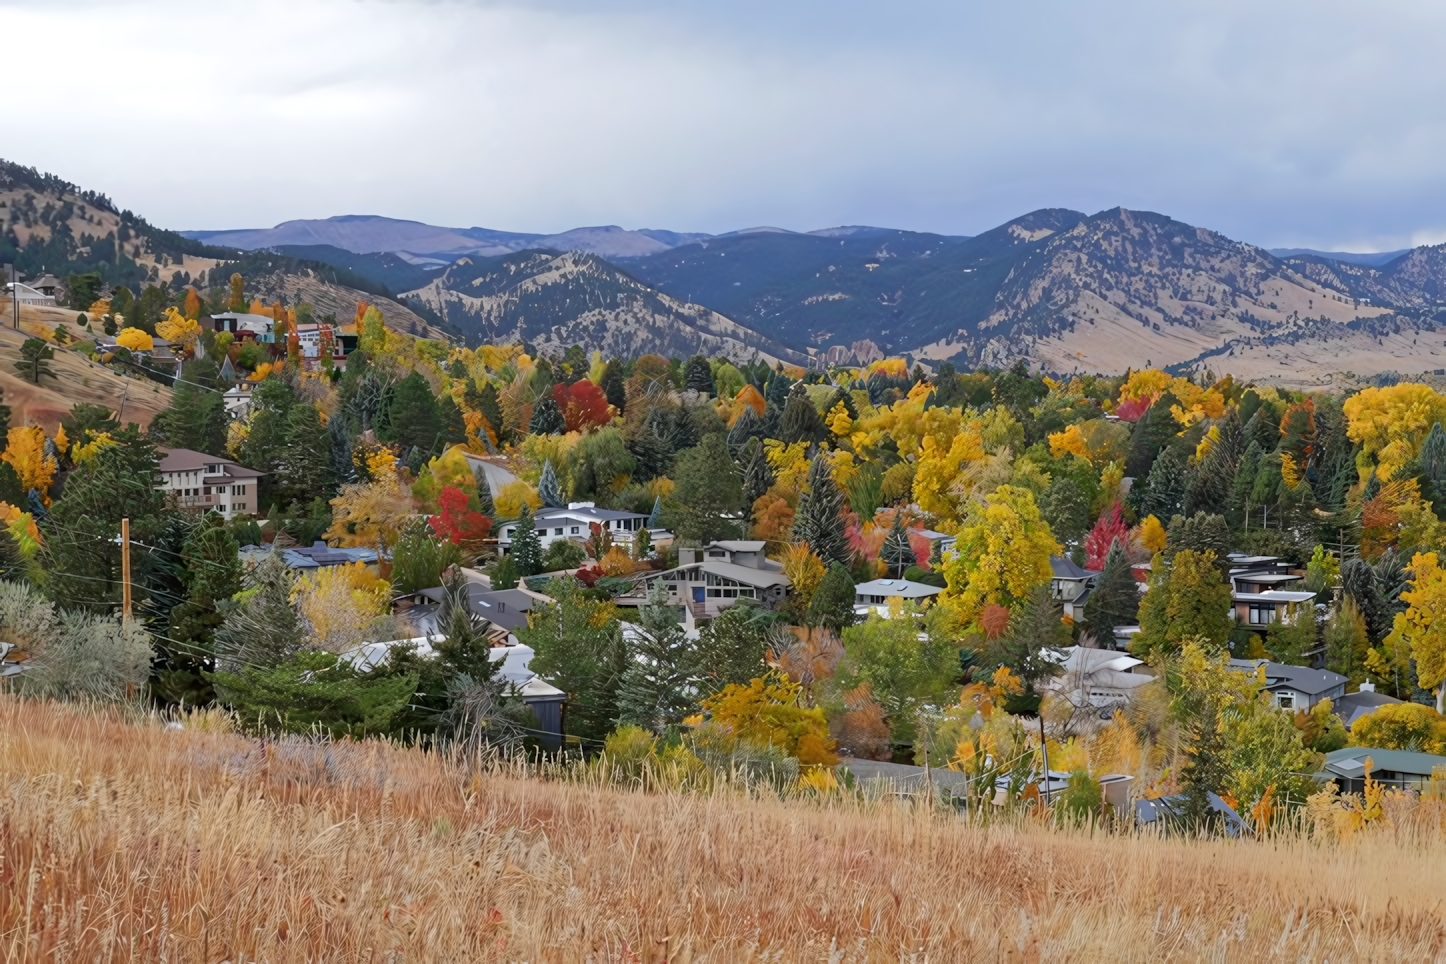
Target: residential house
[207,483]
[1099,678]
[245,325]
[1071,585]
[873,596]
[1352,706]
[575,523]
[27,295]
[710,579]
[49,286]
[237,399]
[506,609]
[1259,589]
[1295,687]
[1396,768]
[318,555]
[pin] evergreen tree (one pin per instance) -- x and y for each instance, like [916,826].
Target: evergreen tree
[547,418]
[491,408]
[1263,430]
[842,397]
[732,647]
[897,553]
[817,520]
[833,601]
[1115,600]
[306,470]
[412,419]
[757,474]
[195,419]
[485,505]
[707,494]
[313,690]
[1031,644]
[578,648]
[526,552]
[1154,429]
[1066,508]
[747,427]
[1165,489]
[547,488]
[212,574]
[454,429]
[698,375]
[1208,486]
[1200,532]
[613,385]
[801,421]
[1242,486]
[262,628]
[1187,599]
[661,683]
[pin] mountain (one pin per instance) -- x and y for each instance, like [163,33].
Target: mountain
[556,300]
[371,234]
[390,271]
[1372,259]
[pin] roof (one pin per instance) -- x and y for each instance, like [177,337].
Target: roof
[1087,660]
[1148,811]
[496,475]
[762,578]
[577,511]
[1263,577]
[189,460]
[1273,595]
[1353,706]
[1351,762]
[896,587]
[1241,559]
[316,556]
[1065,568]
[738,545]
[1302,679]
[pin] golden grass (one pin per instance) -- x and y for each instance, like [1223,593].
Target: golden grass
[128,841]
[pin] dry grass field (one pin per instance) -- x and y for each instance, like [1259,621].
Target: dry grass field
[123,840]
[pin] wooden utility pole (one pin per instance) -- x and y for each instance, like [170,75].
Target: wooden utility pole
[125,541]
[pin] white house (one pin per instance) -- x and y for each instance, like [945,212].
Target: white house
[243,324]
[1100,678]
[207,483]
[575,523]
[27,295]
[874,595]
[1295,687]
[1258,589]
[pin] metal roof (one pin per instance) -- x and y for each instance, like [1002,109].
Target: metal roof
[1351,761]
[1302,679]
[896,587]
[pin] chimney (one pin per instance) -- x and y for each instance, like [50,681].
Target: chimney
[1368,687]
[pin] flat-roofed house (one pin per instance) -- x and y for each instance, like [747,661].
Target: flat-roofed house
[208,483]
[575,523]
[873,596]
[1260,590]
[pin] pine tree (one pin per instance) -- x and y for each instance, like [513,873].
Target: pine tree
[1154,429]
[1115,600]
[262,629]
[817,520]
[661,683]
[1208,486]
[1200,532]
[1066,508]
[1263,430]
[757,475]
[698,375]
[547,418]
[747,427]
[491,408]
[454,429]
[897,553]
[547,488]
[801,421]
[1164,491]
[1030,647]
[613,385]
[707,495]
[526,553]
[655,518]
[833,600]
[485,505]
[412,419]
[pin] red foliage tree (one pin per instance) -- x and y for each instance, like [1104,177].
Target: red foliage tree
[583,405]
[457,521]
[1131,409]
[1109,527]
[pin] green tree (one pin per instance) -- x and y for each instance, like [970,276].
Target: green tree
[1066,508]
[212,575]
[601,465]
[897,552]
[818,520]
[1346,642]
[698,375]
[1115,600]
[578,647]
[732,646]
[833,601]
[526,553]
[801,421]
[1187,599]
[305,470]
[195,419]
[1201,533]
[420,558]
[82,290]
[35,357]
[315,690]
[412,419]
[757,475]
[707,493]
[1153,430]
[660,683]
[547,418]
[548,489]
[904,672]
[1030,645]
[260,627]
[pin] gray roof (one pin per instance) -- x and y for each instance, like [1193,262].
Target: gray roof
[1350,762]
[189,460]
[760,578]
[1065,568]
[315,556]
[1302,679]
[586,512]
[896,587]
[739,545]
[1353,706]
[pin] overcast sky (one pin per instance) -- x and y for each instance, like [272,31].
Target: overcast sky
[1316,124]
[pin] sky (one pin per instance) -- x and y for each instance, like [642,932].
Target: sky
[1314,124]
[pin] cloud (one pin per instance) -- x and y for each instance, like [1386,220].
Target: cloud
[1278,123]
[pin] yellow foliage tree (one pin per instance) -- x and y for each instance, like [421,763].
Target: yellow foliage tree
[82,452]
[1422,627]
[1152,534]
[804,570]
[937,471]
[179,330]
[767,712]
[512,497]
[369,515]
[616,562]
[135,340]
[340,602]
[839,421]
[1391,422]
[25,451]
[1001,553]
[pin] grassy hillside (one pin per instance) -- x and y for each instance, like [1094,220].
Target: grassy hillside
[129,841]
[79,379]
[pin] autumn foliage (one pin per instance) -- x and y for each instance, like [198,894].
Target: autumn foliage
[456,521]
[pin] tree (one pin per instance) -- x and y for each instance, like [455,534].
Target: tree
[1187,600]
[897,552]
[1422,627]
[1153,430]
[765,712]
[82,290]
[1066,508]
[305,469]
[1030,646]
[457,522]
[698,375]
[1202,533]
[547,418]
[732,646]
[757,476]
[903,672]
[420,557]
[707,494]
[833,601]
[526,552]
[660,684]
[369,515]
[313,690]
[180,330]
[212,574]
[196,420]
[547,488]
[1109,529]
[818,519]
[1002,552]
[236,299]
[578,647]
[801,421]
[1401,726]
[35,357]
[1346,641]
[1115,600]
[412,419]
[583,405]
[1163,494]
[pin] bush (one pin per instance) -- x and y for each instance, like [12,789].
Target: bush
[74,654]
[563,554]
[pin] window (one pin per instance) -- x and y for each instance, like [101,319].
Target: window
[557,531]
[1261,614]
[1285,701]
[509,532]
[574,530]
[207,490]
[501,607]
[239,507]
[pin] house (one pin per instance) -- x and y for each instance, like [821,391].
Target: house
[49,286]
[710,579]
[245,325]
[506,609]
[575,523]
[1295,687]
[237,399]
[208,483]
[1259,591]
[1396,768]
[874,595]
[1171,808]
[1071,585]
[27,295]
[1353,706]
[317,339]
[318,555]
[1100,678]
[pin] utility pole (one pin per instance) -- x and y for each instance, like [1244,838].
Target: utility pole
[1044,747]
[125,542]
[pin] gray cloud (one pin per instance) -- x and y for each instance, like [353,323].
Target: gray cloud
[1281,123]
